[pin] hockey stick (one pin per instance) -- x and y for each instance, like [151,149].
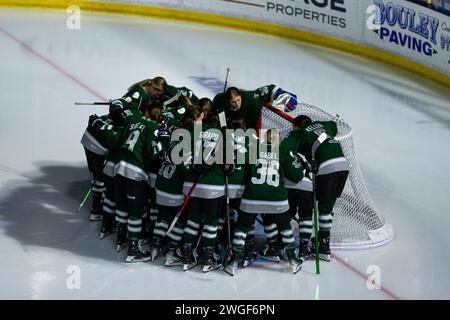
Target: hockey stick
[177,216]
[313,179]
[226,80]
[228,216]
[322,137]
[91,103]
[222,117]
[316,222]
[259,221]
[223,124]
[86,196]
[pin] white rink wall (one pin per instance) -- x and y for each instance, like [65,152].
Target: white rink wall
[395,26]
[395,32]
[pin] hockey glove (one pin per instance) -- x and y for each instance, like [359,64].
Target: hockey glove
[312,166]
[115,105]
[116,112]
[165,130]
[92,119]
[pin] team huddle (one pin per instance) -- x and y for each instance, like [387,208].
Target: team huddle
[190,176]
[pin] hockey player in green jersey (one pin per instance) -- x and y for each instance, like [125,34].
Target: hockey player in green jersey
[249,103]
[137,145]
[172,94]
[151,212]
[155,89]
[141,92]
[265,193]
[104,128]
[242,142]
[169,198]
[175,112]
[96,150]
[315,140]
[300,194]
[206,202]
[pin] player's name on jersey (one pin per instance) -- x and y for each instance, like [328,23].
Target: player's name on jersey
[137,126]
[239,139]
[314,127]
[209,135]
[268,155]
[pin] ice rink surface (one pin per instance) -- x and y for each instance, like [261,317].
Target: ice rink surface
[401,132]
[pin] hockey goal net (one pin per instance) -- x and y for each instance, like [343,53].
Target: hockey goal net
[356,222]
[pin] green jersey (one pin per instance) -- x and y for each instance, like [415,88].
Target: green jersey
[110,134]
[240,149]
[169,185]
[175,114]
[211,185]
[264,190]
[174,93]
[251,105]
[93,140]
[328,154]
[293,179]
[137,147]
[134,98]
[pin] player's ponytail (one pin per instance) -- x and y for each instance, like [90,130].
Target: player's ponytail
[157,82]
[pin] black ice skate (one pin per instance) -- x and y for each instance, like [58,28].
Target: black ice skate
[189,257]
[271,253]
[324,248]
[174,257]
[249,252]
[295,263]
[304,252]
[231,265]
[211,261]
[156,248]
[136,254]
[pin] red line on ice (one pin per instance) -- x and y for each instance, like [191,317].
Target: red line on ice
[362,275]
[52,64]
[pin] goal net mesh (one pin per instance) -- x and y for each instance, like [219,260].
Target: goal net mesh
[356,222]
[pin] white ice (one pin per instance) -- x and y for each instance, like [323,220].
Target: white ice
[401,133]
